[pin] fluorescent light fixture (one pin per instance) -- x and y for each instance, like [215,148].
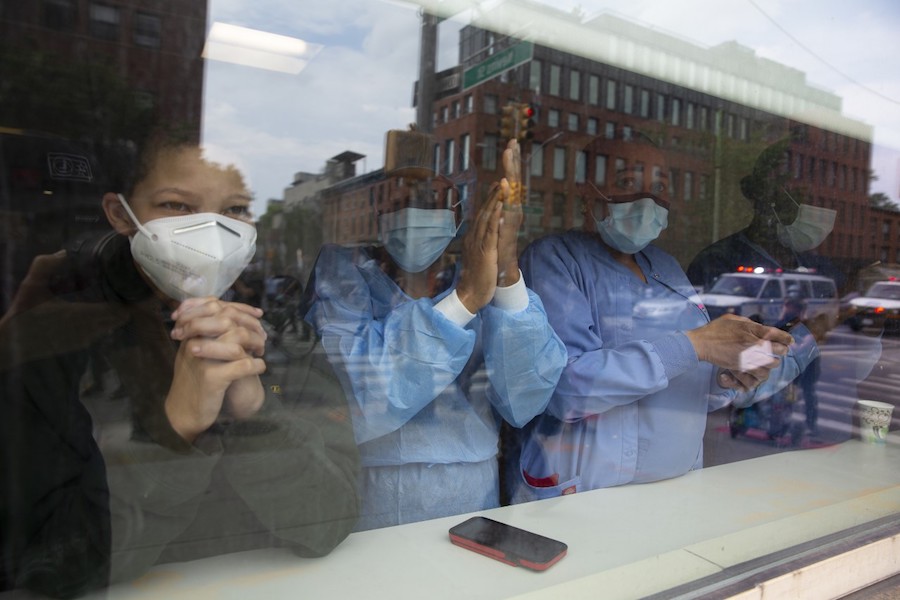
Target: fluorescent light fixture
[260,49]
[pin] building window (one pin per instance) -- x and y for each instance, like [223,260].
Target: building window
[537,160]
[689,115]
[490,104]
[60,14]
[703,192]
[553,118]
[451,156]
[489,154]
[469,104]
[437,158]
[464,149]
[688,186]
[534,76]
[581,167]
[559,164]
[573,122]
[600,170]
[593,90]
[610,94]
[147,30]
[645,104]
[555,74]
[628,99]
[609,131]
[574,85]
[676,112]
[743,129]
[559,210]
[456,109]
[660,107]
[445,114]
[704,118]
[104,22]
[627,133]
[592,126]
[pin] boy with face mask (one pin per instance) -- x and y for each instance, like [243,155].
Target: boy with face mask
[199,451]
[430,371]
[645,362]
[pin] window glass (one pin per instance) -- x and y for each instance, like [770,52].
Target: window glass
[593,90]
[555,80]
[256,296]
[574,85]
[535,75]
[559,163]
[147,30]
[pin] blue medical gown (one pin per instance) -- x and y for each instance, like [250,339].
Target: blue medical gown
[631,405]
[424,390]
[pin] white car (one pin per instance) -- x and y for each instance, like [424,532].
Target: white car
[879,307]
[760,294]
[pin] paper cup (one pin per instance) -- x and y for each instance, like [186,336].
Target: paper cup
[874,420]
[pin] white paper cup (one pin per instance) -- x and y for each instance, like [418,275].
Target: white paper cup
[874,420]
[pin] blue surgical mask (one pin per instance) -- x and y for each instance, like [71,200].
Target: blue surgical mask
[416,237]
[630,226]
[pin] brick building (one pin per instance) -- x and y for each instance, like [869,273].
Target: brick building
[712,109]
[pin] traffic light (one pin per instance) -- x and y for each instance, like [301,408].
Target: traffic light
[525,122]
[508,121]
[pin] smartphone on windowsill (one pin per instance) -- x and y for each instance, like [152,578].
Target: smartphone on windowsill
[508,544]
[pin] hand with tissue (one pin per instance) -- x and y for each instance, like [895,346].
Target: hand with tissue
[746,351]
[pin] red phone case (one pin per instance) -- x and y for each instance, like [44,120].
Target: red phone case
[458,537]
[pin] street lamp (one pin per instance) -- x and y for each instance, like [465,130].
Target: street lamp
[528,163]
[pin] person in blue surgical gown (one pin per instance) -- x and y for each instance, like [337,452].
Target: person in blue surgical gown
[645,363]
[430,371]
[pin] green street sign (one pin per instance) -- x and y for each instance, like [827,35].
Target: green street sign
[498,63]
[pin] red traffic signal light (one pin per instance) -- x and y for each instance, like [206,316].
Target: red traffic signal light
[525,122]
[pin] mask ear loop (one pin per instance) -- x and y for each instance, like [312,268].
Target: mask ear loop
[134,220]
[599,193]
[790,235]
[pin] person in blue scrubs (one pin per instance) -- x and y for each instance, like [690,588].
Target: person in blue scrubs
[645,363]
[430,371]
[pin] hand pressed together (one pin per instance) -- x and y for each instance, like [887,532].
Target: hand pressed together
[217,365]
[490,248]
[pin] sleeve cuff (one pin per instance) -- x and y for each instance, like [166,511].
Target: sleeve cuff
[512,298]
[676,353]
[453,308]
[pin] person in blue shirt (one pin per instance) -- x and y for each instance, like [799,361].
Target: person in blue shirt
[645,363]
[428,370]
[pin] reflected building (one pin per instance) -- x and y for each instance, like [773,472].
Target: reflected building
[84,82]
[712,109]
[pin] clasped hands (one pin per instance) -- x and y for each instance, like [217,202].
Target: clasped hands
[490,255]
[217,366]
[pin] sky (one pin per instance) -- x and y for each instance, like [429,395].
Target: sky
[272,125]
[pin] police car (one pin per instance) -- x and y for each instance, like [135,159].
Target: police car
[760,294]
[879,307]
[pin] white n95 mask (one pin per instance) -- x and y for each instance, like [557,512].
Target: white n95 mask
[192,255]
[416,237]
